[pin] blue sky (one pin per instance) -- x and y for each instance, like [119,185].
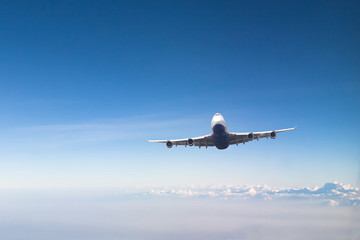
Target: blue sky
[85,84]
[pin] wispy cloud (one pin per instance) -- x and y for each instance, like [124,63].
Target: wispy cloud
[331,194]
[92,131]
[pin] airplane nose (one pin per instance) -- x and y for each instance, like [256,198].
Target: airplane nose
[218,129]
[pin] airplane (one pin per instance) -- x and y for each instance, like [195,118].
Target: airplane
[220,137]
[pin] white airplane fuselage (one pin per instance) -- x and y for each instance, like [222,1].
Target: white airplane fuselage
[220,134]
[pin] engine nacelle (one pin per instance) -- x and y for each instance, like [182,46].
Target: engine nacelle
[190,142]
[273,134]
[169,144]
[251,136]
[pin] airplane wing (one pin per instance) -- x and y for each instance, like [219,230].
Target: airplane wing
[202,141]
[236,138]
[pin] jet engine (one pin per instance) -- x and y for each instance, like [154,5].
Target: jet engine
[169,144]
[250,136]
[190,142]
[273,134]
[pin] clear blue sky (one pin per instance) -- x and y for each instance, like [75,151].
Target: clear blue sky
[84,84]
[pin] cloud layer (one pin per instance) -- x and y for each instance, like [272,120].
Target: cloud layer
[331,194]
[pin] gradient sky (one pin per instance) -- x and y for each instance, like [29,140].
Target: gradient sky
[84,84]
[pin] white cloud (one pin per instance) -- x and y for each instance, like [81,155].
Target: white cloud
[331,194]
